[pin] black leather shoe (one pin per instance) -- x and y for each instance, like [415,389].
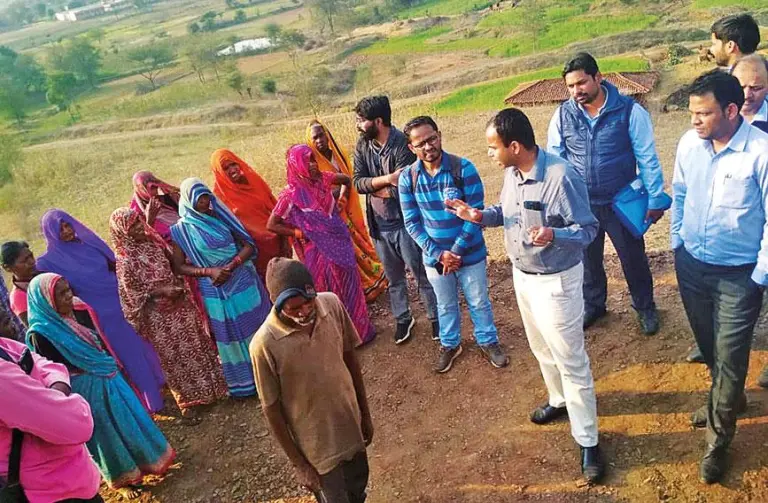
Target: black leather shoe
[592,466]
[546,414]
[649,321]
[695,356]
[590,318]
[712,467]
[699,418]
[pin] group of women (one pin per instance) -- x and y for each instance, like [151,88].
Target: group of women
[180,297]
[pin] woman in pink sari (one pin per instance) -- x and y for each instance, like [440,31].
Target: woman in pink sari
[307,211]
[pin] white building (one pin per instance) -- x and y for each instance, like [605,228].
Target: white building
[93,10]
[254,44]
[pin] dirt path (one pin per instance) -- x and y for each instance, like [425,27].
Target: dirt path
[465,436]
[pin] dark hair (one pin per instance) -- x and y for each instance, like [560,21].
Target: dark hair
[739,28]
[11,250]
[374,107]
[511,124]
[724,86]
[581,61]
[421,120]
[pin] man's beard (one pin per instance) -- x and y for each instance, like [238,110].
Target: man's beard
[371,133]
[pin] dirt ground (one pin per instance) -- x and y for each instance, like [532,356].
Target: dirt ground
[465,436]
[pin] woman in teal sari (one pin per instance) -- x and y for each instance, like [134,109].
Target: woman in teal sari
[126,443]
[221,253]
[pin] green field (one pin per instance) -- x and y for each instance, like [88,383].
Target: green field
[559,31]
[747,4]
[490,96]
[443,8]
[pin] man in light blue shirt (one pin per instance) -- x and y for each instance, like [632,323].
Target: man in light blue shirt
[608,138]
[720,238]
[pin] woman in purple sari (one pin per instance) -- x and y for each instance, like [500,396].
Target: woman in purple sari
[307,211]
[88,264]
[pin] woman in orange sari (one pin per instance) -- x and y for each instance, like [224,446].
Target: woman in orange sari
[249,197]
[332,158]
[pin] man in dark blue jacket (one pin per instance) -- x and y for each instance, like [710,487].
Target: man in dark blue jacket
[609,140]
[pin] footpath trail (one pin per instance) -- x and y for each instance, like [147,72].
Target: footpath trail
[465,436]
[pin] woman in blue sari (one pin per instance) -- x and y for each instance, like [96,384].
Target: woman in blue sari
[221,253]
[126,444]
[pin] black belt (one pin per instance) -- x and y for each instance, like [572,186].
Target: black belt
[539,273]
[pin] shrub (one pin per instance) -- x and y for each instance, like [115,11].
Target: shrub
[676,53]
[269,86]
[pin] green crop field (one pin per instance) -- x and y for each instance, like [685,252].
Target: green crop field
[443,8]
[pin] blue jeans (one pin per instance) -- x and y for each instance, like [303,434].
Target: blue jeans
[474,283]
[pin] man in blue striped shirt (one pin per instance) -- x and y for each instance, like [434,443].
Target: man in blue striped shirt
[454,251]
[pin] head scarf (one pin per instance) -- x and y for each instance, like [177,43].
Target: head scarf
[78,344]
[309,205]
[302,191]
[207,240]
[353,211]
[83,261]
[120,223]
[143,182]
[252,203]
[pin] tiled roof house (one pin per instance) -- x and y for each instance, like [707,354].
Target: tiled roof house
[547,91]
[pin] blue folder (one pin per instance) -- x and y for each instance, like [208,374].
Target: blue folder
[631,206]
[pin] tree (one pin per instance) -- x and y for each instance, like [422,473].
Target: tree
[62,89]
[235,80]
[77,56]
[209,24]
[154,58]
[326,11]
[22,70]
[293,39]
[193,28]
[273,32]
[13,101]
[95,34]
[202,53]
[535,22]
[240,16]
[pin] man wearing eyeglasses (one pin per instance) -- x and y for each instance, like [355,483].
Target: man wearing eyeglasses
[454,251]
